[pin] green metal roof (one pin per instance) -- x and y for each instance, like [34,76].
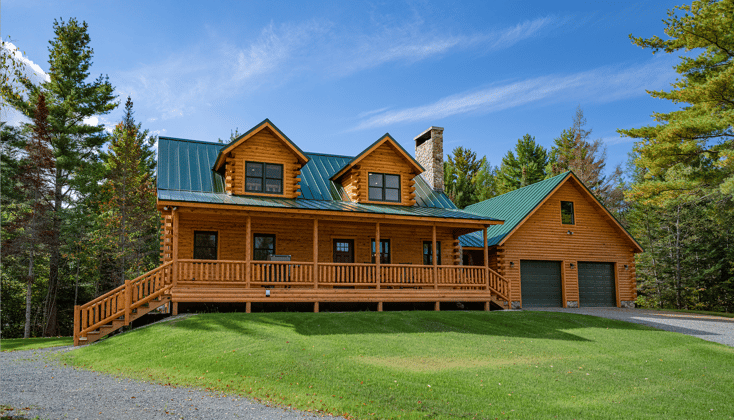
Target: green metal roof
[363,152]
[185,173]
[511,207]
[187,165]
[325,205]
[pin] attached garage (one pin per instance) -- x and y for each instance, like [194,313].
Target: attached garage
[541,283]
[596,284]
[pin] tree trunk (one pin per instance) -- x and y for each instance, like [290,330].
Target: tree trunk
[50,310]
[28,295]
[678,282]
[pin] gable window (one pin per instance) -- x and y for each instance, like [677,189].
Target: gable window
[567,217]
[205,245]
[384,251]
[384,187]
[263,245]
[263,178]
[428,252]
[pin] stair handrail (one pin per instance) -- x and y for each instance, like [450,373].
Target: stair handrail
[504,285]
[121,292]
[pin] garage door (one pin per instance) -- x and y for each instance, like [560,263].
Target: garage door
[541,283]
[596,284]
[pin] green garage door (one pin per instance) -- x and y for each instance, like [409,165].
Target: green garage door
[596,284]
[541,283]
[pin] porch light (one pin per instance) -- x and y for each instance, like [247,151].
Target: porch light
[626,267]
[267,293]
[573,266]
[165,208]
[569,232]
[512,264]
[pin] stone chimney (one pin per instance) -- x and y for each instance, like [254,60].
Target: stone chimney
[429,153]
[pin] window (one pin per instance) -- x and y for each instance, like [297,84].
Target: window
[428,252]
[567,212]
[384,251]
[384,187]
[205,245]
[263,178]
[264,245]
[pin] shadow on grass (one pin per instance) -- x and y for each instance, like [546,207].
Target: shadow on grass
[541,325]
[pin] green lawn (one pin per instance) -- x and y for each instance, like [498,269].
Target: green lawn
[484,365]
[12,344]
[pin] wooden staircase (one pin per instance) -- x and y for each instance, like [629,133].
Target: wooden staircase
[119,307]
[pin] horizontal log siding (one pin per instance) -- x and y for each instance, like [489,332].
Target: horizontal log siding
[294,237]
[265,147]
[544,237]
[383,160]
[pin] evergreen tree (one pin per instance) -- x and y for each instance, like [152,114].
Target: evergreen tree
[485,182]
[129,215]
[460,169]
[690,152]
[528,167]
[574,151]
[70,100]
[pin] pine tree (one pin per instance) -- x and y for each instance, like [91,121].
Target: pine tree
[574,151]
[528,167]
[460,169]
[70,100]
[129,214]
[690,152]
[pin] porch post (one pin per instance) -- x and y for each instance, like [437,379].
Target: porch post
[174,212]
[434,258]
[378,253]
[316,254]
[248,250]
[486,263]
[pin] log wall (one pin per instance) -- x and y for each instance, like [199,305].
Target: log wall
[595,238]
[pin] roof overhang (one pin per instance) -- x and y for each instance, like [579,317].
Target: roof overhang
[266,124]
[387,138]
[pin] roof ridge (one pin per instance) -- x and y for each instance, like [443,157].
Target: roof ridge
[328,154]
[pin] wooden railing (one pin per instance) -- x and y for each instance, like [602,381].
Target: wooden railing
[301,274]
[121,301]
[343,274]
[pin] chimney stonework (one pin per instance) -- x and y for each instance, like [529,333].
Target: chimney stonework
[429,153]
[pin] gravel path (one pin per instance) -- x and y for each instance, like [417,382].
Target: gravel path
[51,390]
[711,328]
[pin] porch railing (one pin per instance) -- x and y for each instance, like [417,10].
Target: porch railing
[301,274]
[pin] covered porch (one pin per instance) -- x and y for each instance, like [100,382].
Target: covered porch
[250,256]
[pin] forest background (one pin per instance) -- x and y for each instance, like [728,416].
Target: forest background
[78,202]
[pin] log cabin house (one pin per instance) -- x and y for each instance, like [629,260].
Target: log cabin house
[559,247]
[259,220]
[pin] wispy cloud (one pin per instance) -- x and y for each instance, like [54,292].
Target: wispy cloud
[217,69]
[605,84]
[29,69]
[411,43]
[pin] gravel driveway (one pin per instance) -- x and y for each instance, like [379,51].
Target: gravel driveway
[706,327]
[53,391]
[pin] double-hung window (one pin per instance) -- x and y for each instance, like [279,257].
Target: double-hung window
[205,245]
[428,252]
[264,245]
[567,217]
[263,177]
[384,187]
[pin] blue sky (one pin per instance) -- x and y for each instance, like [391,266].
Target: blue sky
[335,76]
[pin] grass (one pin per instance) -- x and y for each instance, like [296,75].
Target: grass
[13,344]
[483,365]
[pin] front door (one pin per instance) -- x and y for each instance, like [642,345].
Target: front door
[344,251]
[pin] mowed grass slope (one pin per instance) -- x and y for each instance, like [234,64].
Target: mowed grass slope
[524,365]
[15,344]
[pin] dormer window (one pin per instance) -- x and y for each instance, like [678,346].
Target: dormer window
[264,178]
[384,187]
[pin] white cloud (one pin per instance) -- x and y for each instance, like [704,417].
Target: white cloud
[605,84]
[411,43]
[28,68]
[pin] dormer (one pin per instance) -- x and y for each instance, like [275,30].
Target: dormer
[382,174]
[262,162]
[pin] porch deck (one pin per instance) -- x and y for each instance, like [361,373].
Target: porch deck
[190,280]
